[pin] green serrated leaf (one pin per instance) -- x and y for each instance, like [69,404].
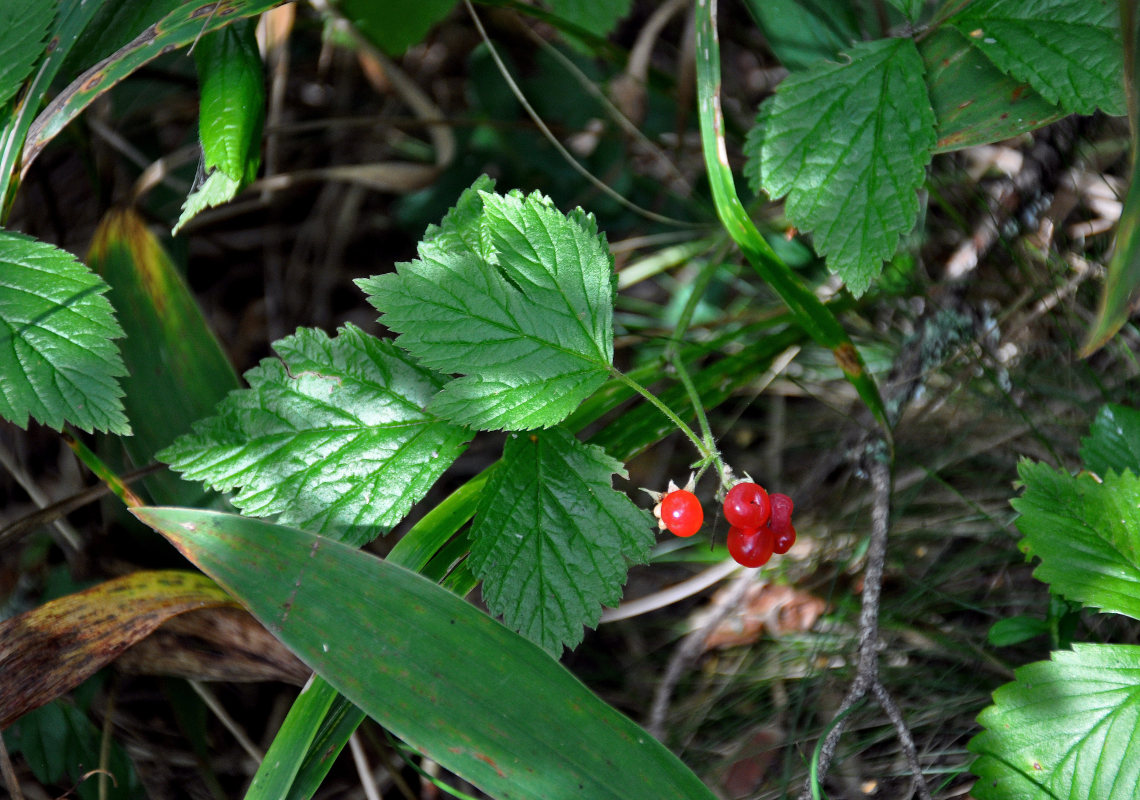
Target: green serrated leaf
[553,539]
[527,322]
[1065,728]
[1113,443]
[848,144]
[333,437]
[58,360]
[23,27]
[218,188]
[1086,533]
[1068,50]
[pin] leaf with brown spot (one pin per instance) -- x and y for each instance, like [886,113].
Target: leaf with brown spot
[54,648]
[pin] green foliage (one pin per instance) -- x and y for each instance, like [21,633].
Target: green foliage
[848,142]
[25,23]
[1087,534]
[552,538]
[1068,50]
[515,297]
[62,746]
[801,32]
[439,673]
[596,16]
[1065,728]
[57,354]
[232,86]
[395,25]
[332,437]
[1114,440]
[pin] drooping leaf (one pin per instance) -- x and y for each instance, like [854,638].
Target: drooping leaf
[553,539]
[848,144]
[1086,533]
[1068,50]
[1066,727]
[58,359]
[527,319]
[1113,443]
[52,649]
[333,436]
[443,676]
[802,32]
[23,27]
[395,25]
[232,110]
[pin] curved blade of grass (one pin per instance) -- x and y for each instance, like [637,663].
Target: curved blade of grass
[1117,297]
[177,29]
[811,313]
[443,676]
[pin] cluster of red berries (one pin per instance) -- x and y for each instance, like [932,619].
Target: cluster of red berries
[761,523]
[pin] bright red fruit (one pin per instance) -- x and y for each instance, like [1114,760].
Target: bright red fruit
[682,513]
[746,505]
[781,512]
[751,548]
[785,539]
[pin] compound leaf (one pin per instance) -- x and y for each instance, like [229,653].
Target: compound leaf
[848,144]
[520,304]
[23,27]
[333,437]
[1064,728]
[553,539]
[57,358]
[1086,533]
[1068,50]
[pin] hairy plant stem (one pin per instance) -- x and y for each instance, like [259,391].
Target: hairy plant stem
[708,451]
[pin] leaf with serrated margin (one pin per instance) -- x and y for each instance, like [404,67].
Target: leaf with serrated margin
[1113,442]
[1086,533]
[58,361]
[553,539]
[848,144]
[23,27]
[1068,50]
[1066,727]
[333,437]
[527,321]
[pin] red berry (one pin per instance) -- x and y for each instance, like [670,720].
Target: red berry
[746,505]
[781,512]
[785,539]
[682,513]
[751,548]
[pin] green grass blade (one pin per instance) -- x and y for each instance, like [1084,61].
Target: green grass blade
[440,674]
[811,313]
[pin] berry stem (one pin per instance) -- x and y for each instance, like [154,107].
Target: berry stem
[707,453]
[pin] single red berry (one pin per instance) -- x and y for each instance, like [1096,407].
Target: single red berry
[781,512]
[746,505]
[785,539]
[751,548]
[681,512]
